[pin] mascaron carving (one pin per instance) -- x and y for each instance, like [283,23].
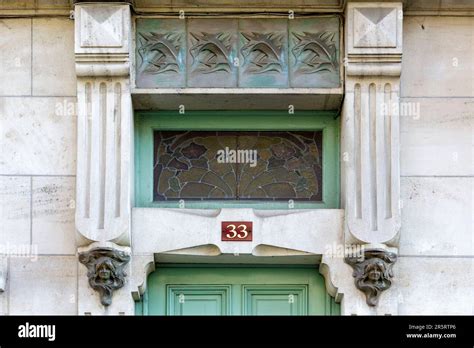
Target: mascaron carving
[105,271]
[373,273]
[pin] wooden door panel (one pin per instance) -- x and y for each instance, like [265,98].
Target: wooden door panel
[198,300]
[275,300]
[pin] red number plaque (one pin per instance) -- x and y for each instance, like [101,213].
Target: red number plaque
[236,231]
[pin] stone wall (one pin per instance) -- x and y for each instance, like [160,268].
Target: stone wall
[434,274]
[38,164]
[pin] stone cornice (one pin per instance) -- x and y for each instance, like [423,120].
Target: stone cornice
[148,7]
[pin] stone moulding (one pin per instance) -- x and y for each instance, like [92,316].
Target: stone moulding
[372,272]
[105,271]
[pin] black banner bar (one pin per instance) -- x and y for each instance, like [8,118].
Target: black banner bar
[102,331]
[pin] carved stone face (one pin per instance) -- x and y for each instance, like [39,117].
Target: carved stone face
[374,271]
[104,272]
[375,274]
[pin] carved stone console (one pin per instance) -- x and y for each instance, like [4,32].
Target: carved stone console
[370,140]
[104,111]
[105,270]
[104,153]
[373,272]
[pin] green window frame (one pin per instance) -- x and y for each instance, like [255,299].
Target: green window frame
[146,122]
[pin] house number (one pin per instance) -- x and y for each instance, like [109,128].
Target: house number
[236,231]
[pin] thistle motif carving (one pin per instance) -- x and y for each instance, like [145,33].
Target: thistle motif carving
[373,273]
[211,52]
[314,52]
[160,53]
[262,52]
[105,270]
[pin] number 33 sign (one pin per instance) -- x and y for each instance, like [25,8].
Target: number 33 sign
[236,231]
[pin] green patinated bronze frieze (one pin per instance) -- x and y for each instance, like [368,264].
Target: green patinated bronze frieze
[247,53]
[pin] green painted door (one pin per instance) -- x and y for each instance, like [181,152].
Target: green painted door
[231,290]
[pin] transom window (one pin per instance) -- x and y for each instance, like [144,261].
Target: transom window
[229,165]
[212,159]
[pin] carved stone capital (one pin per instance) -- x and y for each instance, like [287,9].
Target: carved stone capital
[374,38]
[105,270]
[372,272]
[102,39]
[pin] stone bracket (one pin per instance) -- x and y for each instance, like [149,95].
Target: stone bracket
[105,270]
[370,127]
[105,117]
[371,141]
[372,272]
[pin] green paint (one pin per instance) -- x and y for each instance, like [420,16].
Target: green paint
[147,122]
[236,290]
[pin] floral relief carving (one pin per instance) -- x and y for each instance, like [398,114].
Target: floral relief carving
[262,53]
[242,52]
[373,273]
[159,53]
[315,52]
[211,52]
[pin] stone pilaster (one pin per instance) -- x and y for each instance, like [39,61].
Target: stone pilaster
[104,156]
[370,140]
[104,165]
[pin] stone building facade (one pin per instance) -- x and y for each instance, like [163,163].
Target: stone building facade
[86,226]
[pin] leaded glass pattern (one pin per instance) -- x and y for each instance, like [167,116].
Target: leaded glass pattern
[198,165]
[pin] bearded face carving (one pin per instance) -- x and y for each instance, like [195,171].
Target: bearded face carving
[105,271]
[373,273]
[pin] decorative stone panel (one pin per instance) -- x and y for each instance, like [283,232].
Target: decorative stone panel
[246,53]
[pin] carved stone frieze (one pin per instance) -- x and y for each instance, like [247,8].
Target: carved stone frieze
[262,52]
[314,52]
[105,271]
[210,52]
[244,52]
[159,53]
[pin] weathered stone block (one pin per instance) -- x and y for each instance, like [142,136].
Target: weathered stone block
[15,216]
[46,286]
[15,60]
[53,57]
[37,136]
[53,229]
[437,57]
[437,216]
[436,136]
